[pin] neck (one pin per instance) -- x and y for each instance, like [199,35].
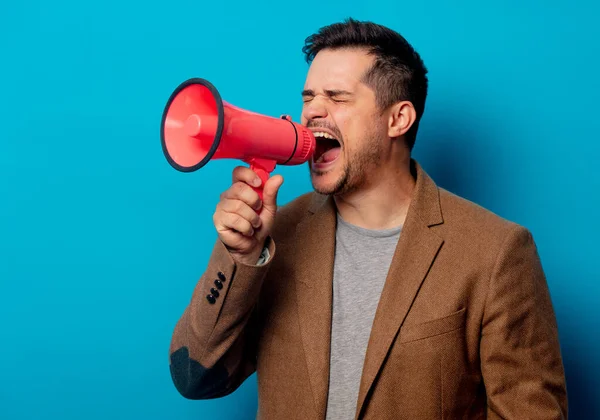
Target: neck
[382,204]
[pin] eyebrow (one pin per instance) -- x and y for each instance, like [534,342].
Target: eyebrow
[328,92]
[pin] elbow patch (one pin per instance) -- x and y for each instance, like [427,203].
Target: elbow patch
[194,381]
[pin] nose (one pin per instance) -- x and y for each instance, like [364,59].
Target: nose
[314,109]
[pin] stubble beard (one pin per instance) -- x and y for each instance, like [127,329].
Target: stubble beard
[354,172]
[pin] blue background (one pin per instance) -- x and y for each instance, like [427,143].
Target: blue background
[102,241]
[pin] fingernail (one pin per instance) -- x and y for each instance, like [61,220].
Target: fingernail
[256,182]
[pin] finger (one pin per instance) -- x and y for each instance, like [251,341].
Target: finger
[235,222]
[242,209]
[247,175]
[236,240]
[271,191]
[244,192]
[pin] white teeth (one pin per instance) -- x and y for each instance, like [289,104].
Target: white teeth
[322,134]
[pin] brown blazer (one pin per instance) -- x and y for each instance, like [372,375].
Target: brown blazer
[465,327]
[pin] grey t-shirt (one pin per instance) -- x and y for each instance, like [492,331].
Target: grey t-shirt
[362,261]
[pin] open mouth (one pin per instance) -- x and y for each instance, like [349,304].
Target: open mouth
[327,149]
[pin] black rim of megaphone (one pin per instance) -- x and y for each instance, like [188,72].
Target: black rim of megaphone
[216,140]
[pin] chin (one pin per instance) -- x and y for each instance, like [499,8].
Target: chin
[325,182]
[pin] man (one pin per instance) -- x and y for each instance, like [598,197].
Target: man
[379,295]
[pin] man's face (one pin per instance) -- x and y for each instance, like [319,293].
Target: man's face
[342,112]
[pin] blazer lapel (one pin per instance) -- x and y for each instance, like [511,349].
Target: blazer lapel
[414,255]
[315,253]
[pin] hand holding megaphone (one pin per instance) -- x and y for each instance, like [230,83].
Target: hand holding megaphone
[243,219]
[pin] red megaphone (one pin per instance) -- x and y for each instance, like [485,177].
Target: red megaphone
[197,126]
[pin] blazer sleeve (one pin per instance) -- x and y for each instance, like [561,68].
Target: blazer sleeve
[520,352]
[213,346]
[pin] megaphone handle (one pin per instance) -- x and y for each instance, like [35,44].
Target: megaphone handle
[264,176]
[262,168]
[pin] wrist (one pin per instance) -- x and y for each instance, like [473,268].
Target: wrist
[250,258]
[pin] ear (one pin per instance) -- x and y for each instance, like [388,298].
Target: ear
[401,117]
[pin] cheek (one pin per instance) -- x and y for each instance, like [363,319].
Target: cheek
[356,129]
[350,125]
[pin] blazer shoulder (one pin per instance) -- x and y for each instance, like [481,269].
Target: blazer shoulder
[468,216]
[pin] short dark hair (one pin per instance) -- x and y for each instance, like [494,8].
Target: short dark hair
[398,73]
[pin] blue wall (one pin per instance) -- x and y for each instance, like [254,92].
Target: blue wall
[101,242]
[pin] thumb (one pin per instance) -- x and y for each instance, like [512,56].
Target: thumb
[270,192]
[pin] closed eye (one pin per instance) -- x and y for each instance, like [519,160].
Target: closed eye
[307,95]
[339,96]
[336,96]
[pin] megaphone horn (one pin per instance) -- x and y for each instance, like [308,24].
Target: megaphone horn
[198,126]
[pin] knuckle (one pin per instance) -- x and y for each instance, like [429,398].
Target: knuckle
[250,197]
[239,206]
[239,188]
[223,204]
[236,220]
[244,225]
